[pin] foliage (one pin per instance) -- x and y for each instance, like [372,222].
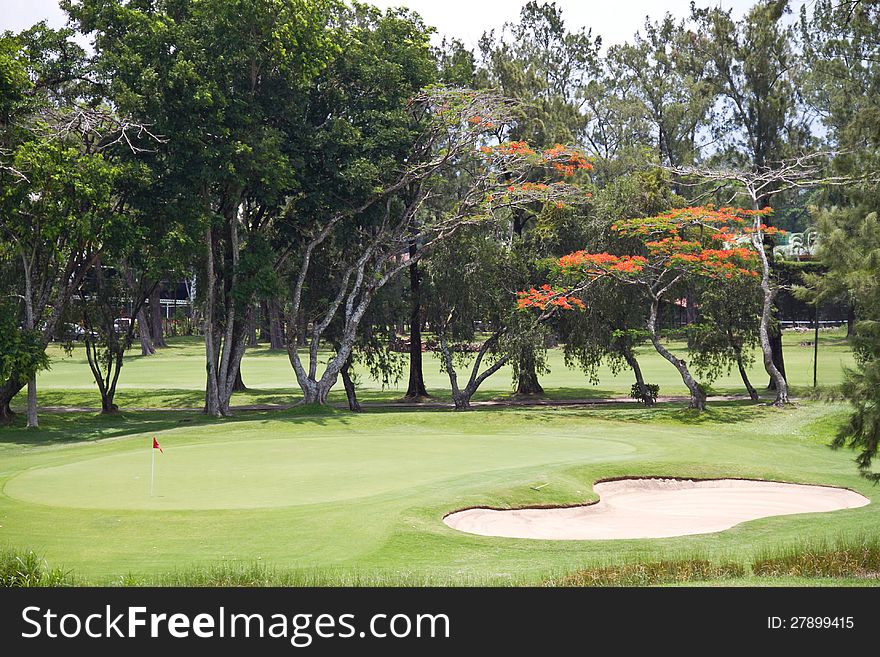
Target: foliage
[755,67]
[22,351]
[840,42]
[851,252]
[860,387]
[666,71]
[727,332]
[677,247]
[540,61]
[676,244]
[59,200]
[652,390]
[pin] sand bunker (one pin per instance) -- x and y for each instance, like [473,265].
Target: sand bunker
[658,508]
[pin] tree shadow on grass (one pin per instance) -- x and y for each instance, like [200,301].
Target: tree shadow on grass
[75,427]
[718,412]
[561,393]
[62,428]
[157,398]
[126,398]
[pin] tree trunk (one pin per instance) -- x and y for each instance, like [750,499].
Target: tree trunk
[212,397]
[753,394]
[302,332]
[850,320]
[156,328]
[264,322]
[8,390]
[235,333]
[461,397]
[239,385]
[698,397]
[232,370]
[107,404]
[630,358]
[350,391]
[251,332]
[767,352]
[690,311]
[276,333]
[416,387]
[147,348]
[315,392]
[32,420]
[527,376]
[108,407]
[778,358]
[462,400]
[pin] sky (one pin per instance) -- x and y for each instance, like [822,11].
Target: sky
[615,20]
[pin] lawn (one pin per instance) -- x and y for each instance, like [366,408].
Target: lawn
[335,494]
[175,377]
[323,495]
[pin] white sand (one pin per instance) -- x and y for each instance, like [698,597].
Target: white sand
[658,508]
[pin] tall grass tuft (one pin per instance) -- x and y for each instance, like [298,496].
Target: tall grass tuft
[256,574]
[859,557]
[19,568]
[650,574]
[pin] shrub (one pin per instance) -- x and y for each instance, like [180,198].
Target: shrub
[652,389]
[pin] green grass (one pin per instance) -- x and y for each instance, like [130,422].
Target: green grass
[849,558]
[175,377]
[325,496]
[19,568]
[651,573]
[319,496]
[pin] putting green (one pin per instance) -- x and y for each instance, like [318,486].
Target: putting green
[338,493]
[285,470]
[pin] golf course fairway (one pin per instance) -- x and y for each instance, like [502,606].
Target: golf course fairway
[334,492]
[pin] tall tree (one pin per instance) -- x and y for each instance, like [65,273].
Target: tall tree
[221,81]
[98,308]
[471,309]
[456,68]
[676,245]
[756,66]
[539,61]
[58,194]
[842,48]
[667,72]
[612,325]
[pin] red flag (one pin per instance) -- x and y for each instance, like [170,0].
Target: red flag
[156,445]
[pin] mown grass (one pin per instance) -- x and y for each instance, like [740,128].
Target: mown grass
[175,377]
[361,497]
[320,496]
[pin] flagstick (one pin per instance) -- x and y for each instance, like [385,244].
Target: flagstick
[152,468]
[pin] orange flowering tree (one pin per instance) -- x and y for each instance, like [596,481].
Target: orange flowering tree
[409,210]
[470,272]
[535,198]
[682,244]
